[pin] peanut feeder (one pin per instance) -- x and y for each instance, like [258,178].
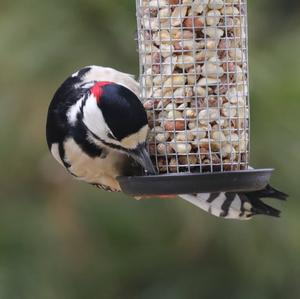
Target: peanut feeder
[194,85]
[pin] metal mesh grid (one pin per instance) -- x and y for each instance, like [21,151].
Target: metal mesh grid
[194,83]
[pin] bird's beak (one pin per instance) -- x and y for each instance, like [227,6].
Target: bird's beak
[141,155]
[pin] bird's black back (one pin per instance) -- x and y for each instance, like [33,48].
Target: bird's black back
[57,128]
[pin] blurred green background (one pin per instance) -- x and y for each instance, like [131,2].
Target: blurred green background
[64,239]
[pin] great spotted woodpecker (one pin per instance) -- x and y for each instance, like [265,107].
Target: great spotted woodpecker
[97,129]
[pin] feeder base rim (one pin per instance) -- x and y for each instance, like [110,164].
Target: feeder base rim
[188,183]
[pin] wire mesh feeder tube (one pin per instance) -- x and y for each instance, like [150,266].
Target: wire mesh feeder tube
[194,86]
[193,76]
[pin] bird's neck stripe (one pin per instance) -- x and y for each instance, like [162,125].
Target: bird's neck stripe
[110,145]
[97,89]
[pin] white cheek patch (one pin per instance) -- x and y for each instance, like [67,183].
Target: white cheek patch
[94,120]
[135,139]
[93,117]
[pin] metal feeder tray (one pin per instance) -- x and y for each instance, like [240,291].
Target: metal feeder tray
[188,183]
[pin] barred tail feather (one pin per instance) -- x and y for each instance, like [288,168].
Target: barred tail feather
[217,204]
[241,206]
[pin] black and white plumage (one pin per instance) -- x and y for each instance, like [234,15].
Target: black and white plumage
[241,205]
[97,129]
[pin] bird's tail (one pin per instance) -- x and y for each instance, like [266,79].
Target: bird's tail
[241,206]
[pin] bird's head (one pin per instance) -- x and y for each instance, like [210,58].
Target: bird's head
[115,117]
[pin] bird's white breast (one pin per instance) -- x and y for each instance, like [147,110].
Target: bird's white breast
[102,171]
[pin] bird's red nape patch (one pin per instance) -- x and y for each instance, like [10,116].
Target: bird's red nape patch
[97,89]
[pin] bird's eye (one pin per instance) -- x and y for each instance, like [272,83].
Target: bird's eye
[109,135]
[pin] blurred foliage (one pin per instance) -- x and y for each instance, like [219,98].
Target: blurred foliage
[64,239]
